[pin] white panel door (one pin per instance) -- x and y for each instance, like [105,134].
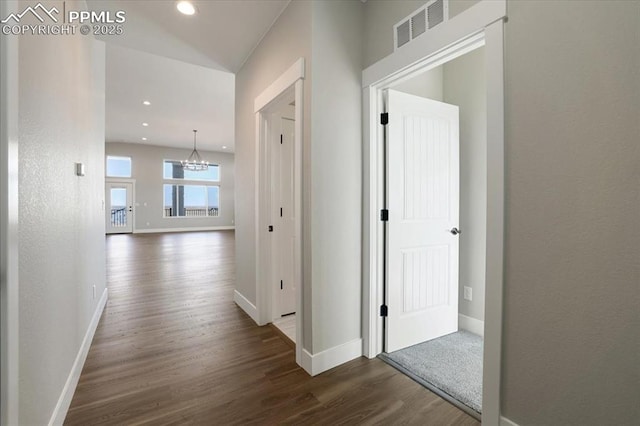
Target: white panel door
[119,211]
[423,203]
[284,218]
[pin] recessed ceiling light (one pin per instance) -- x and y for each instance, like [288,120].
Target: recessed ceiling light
[144,139]
[147,103]
[145,124]
[186,7]
[224,147]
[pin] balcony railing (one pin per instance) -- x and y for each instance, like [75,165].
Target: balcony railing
[118,217]
[193,212]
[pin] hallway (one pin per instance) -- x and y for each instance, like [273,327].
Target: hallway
[173,348]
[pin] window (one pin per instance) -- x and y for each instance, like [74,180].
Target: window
[173,170]
[118,166]
[191,201]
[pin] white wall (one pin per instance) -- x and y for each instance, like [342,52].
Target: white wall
[287,41]
[572,272]
[465,86]
[9,266]
[61,236]
[429,85]
[336,173]
[146,169]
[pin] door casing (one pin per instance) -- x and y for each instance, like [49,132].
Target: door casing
[480,25]
[132,182]
[291,79]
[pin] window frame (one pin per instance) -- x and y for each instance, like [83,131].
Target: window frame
[118,157]
[194,183]
[164,161]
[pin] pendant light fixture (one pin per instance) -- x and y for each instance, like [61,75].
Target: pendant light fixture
[195,163]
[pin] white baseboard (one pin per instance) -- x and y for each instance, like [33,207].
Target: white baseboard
[332,357]
[506,422]
[246,306]
[60,412]
[187,229]
[472,325]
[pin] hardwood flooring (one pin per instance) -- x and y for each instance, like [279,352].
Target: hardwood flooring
[172,348]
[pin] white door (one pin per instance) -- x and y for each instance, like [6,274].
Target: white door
[119,211]
[283,214]
[423,203]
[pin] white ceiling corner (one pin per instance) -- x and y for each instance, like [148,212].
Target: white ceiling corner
[184,65]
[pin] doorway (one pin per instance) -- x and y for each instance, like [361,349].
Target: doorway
[279,248]
[282,139]
[119,207]
[481,25]
[436,229]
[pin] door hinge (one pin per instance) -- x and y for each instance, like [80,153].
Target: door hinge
[281,287]
[384,215]
[384,118]
[280,139]
[270,228]
[383,310]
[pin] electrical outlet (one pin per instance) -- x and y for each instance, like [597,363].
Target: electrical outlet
[468,293]
[94,291]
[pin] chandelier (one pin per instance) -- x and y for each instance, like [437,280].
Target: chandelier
[195,163]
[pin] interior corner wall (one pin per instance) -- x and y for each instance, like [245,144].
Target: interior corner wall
[381,15]
[465,86]
[336,173]
[61,235]
[146,169]
[288,40]
[571,319]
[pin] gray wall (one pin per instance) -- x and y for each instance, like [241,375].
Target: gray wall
[61,246]
[288,40]
[146,169]
[336,173]
[380,17]
[331,162]
[572,277]
[571,323]
[465,86]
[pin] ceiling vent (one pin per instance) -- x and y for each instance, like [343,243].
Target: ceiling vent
[419,22]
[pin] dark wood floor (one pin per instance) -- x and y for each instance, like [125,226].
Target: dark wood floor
[173,348]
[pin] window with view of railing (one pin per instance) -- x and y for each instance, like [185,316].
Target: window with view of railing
[191,200]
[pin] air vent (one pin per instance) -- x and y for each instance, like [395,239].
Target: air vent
[419,22]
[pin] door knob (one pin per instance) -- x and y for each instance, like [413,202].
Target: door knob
[455,231]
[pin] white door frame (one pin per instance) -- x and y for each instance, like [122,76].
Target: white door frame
[9,222]
[293,77]
[132,181]
[481,24]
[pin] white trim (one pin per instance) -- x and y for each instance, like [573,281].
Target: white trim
[186,229]
[9,285]
[482,21]
[463,25]
[282,83]
[506,422]
[471,325]
[62,407]
[291,78]
[246,306]
[332,357]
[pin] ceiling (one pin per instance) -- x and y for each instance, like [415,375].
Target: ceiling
[184,65]
[183,97]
